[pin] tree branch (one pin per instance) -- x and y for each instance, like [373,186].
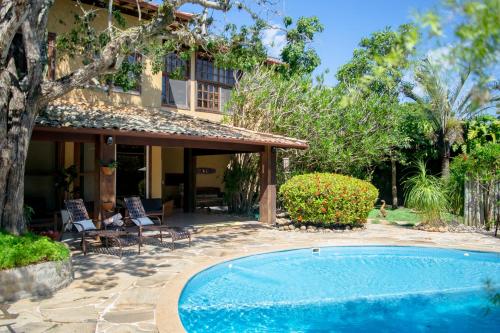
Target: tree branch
[12,15]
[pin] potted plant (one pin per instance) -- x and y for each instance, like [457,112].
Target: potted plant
[108,168]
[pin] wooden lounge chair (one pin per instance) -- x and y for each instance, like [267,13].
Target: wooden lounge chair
[79,218]
[145,222]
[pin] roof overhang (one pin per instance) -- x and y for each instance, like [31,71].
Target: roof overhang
[74,122]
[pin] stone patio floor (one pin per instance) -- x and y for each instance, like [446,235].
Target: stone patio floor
[123,295]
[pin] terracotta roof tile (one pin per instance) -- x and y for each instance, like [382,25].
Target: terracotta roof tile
[61,114]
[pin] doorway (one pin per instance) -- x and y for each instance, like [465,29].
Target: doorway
[131,171]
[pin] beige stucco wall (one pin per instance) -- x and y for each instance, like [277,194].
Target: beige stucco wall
[164,160]
[219,163]
[172,162]
[61,18]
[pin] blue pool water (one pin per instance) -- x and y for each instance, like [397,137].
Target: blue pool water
[346,289]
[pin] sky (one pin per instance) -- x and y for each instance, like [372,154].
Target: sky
[345,23]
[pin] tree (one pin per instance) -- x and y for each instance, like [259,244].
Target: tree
[25,91]
[377,69]
[447,106]
[298,57]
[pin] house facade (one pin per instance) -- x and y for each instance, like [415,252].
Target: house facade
[165,134]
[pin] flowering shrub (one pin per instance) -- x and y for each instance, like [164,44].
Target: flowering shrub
[328,199]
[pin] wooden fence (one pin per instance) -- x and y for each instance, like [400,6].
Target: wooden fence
[479,205]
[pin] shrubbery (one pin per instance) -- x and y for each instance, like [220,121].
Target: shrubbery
[328,199]
[16,251]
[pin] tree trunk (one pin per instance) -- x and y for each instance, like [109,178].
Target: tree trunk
[394,183]
[445,159]
[21,76]
[12,165]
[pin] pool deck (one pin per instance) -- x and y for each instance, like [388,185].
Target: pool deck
[139,293]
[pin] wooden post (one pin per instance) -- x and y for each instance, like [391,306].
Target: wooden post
[267,203]
[107,184]
[189,180]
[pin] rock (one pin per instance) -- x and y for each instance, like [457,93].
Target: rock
[303,228]
[291,227]
[348,227]
[321,229]
[281,228]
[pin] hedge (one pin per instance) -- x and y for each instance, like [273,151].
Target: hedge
[16,251]
[328,199]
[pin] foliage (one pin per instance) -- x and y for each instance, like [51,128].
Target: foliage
[426,194]
[447,105]
[241,183]
[480,131]
[482,164]
[16,251]
[377,66]
[346,140]
[328,199]
[111,165]
[476,28]
[299,58]
[28,213]
[65,177]
[418,130]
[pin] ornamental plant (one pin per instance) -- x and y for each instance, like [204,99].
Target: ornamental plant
[327,199]
[27,249]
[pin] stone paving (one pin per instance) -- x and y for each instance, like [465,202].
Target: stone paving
[122,295]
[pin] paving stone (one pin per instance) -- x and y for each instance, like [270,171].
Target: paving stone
[71,314]
[113,295]
[129,316]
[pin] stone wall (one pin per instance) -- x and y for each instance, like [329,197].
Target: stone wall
[37,280]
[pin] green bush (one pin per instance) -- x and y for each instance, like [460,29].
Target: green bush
[16,251]
[328,199]
[427,195]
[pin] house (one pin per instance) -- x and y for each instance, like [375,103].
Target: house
[165,134]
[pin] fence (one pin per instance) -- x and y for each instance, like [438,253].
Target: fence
[481,203]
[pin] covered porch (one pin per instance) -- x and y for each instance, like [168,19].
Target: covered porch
[88,136]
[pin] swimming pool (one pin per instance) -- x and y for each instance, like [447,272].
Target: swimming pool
[346,289]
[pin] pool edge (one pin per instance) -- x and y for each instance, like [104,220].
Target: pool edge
[167,310]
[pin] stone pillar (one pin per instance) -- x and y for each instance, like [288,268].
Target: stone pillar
[267,203]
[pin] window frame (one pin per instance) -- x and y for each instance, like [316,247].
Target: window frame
[165,79]
[217,84]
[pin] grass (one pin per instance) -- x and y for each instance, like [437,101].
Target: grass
[402,216]
[405,216]
[17,251]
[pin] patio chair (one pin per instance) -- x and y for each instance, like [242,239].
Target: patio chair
[79,218]
[145,222]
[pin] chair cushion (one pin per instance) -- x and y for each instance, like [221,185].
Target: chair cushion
[143,221]
[86,224]
[115,220]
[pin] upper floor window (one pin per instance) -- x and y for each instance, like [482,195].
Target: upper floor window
[213,85]
[175,88]
[129,76]
[51,56]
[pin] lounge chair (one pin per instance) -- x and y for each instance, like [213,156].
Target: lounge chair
[145,222]
[79,218]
